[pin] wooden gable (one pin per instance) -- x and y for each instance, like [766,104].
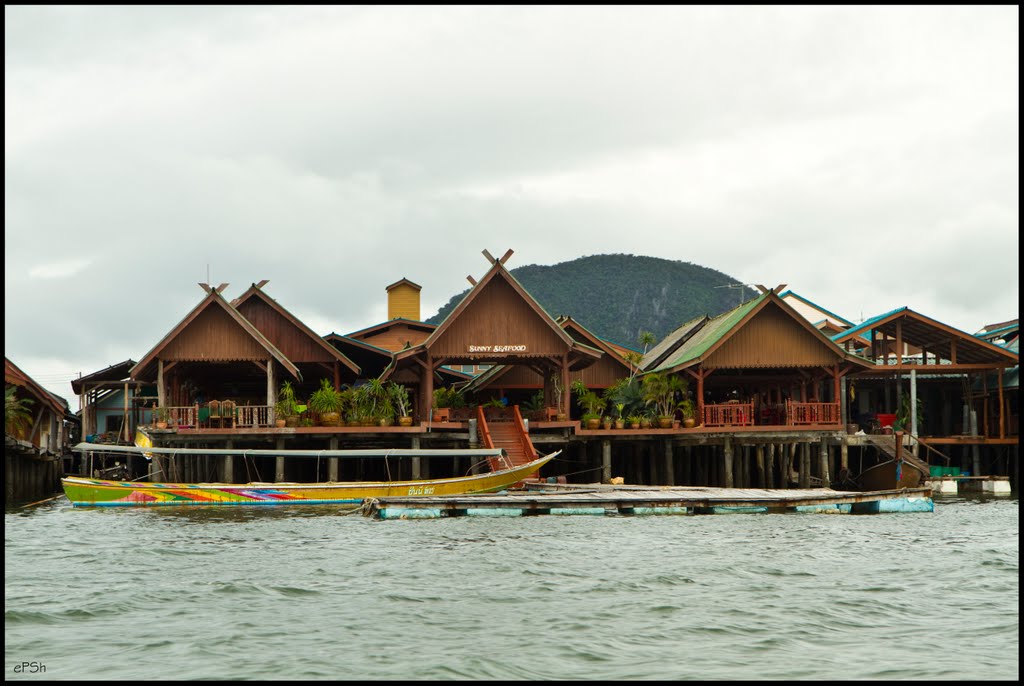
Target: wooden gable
[498,321]
[295,340]
[773,337]
[213,331]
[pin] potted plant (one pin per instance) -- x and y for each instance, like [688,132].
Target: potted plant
[634,420]
[442,409]
[326,401]
[380,410]
[687,409]
[400,400]
[161,416]
[287,406]
[645,420]
[556,386]
[660,390]
[620,418]
[592,404]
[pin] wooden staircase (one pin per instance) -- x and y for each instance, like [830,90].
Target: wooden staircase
[887,445]
[504,429]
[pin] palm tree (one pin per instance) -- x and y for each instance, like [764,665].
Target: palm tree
[16,412]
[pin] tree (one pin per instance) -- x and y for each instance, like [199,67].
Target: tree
[17,414]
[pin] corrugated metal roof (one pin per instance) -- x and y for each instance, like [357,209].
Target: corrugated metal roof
[867,324]
[709,334]
[665,346]
[816,306]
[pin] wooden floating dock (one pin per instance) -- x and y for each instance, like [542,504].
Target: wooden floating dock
[604,499]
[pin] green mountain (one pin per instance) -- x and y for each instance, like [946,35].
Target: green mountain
[619,296]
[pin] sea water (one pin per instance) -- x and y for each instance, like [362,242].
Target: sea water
[321,592]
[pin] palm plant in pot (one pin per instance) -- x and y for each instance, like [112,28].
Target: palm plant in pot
[287,407]
[686,407]
[660,390]
[326,401]
[592,404]
[400,400]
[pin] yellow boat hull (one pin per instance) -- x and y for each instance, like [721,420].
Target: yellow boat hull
[83,491]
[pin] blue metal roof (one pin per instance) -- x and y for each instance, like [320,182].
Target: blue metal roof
[868,324]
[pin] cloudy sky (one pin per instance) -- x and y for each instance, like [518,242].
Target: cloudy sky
[866,156]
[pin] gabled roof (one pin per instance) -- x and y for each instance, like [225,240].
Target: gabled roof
[215,299]
[406,281]
[14,375]
[1001,330]
[497,270]
[568,323]
[924,332]
[709,337]
[384,326]
[256,291]
[115,372]
[671,342]
[787,293]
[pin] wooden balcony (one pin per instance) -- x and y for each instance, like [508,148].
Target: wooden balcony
[798,414]
[791,414]
[729,414]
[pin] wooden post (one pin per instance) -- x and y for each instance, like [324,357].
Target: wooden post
[760,466]
[823,456]
[769,472]
[279,463]
[1002,404]
[913,408]
[700,396]
[606,461]
[688,478]
[844,410]
[975,450]
[670,470]
[271,388]
[727,462]
[227,474]
[844,454]
[161,392]
[332,463]
[566,393]
[124,421]
[805,466]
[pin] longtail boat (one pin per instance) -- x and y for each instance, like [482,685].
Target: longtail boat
[89,492]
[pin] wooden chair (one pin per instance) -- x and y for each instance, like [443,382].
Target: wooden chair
[227,414]
[214,417]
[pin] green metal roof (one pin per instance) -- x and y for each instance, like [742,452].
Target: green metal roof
[709,334]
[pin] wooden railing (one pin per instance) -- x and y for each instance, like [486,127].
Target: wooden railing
[811,413]
[481,427]
[252,416]
[524,437]
[186,416]
[729,414]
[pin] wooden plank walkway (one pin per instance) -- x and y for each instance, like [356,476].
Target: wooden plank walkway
[632,500]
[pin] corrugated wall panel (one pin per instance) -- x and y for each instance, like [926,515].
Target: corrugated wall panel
[214,335]
[404,302]
[498,316]
[772,339]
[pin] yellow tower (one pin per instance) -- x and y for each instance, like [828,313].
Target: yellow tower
[404,300]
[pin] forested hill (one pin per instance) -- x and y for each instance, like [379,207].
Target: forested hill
[618,296]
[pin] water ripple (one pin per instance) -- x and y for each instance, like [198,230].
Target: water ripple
[307,593]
